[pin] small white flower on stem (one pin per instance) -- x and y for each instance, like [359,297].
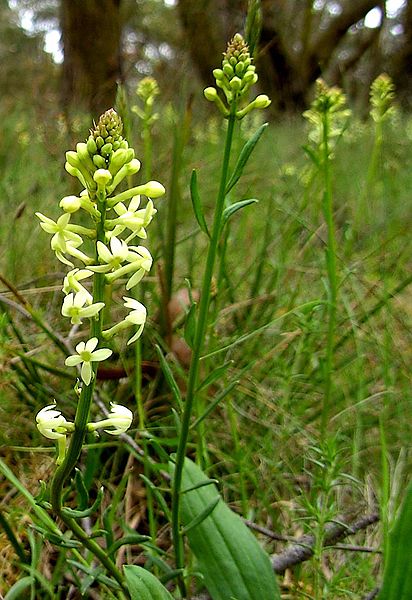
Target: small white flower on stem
[119,420]
[139,262]
[74,307]
[60,229]
[112,259]
[86,354]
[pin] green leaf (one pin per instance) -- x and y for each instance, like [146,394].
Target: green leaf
[17,589]
[230,210]
[229,557]
[82,491]
[81,514]
[190,325]
[244,157]
[397,578]
[131,539]
[312,155]
[215,375]
[198,519]
[170,377]
[196,203]
[142,585]
[219,397]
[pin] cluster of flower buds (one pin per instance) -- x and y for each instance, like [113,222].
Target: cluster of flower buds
[146,91]
[382,97]
[328,101]
[235,78]
[51,423]
[101,164]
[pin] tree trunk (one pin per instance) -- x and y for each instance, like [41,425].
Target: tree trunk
[91,31]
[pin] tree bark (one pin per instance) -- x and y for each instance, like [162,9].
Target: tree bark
[91,31]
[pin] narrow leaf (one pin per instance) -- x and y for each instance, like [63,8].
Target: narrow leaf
[199,485]
[215,375]
[230,210]
[81,514]
[197,204]
[198,519]
[142,585]
[169,377]
[190,325]
[17,589]
[214,403]
[244,157]
[81,490]
[132,539]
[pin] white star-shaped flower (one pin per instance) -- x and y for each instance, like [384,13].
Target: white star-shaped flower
[86,354]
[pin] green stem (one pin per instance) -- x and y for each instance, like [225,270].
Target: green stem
[81,419]
[200,334]
[331,274]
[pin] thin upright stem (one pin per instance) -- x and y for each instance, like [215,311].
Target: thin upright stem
[331,273]
[200,334]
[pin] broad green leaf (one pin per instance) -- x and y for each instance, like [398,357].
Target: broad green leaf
[232,208]
[244,157]
[142,585]
[397,578]
[229,557]
[197,204]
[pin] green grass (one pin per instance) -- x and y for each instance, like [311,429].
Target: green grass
[273,262]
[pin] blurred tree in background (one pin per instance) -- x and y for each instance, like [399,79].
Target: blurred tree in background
[110,41]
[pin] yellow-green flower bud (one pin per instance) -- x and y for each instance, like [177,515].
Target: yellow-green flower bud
[99,161]
[153,189]
[106,149]
[102,177]
[70,204]
[91,146]
[210,94]
[262,101]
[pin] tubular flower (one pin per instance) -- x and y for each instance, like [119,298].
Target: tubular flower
[119,420]
[137,316]
[51,423]
[72,283]
[86,354]
[74,307]
[60,229]
[140,262]
[112,259]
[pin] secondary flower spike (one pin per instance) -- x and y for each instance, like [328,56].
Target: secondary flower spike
[235,78]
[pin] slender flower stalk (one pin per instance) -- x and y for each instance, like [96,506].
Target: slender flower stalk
[328,116]
[235,78]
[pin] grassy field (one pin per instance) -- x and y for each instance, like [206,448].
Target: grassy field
[264,442]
